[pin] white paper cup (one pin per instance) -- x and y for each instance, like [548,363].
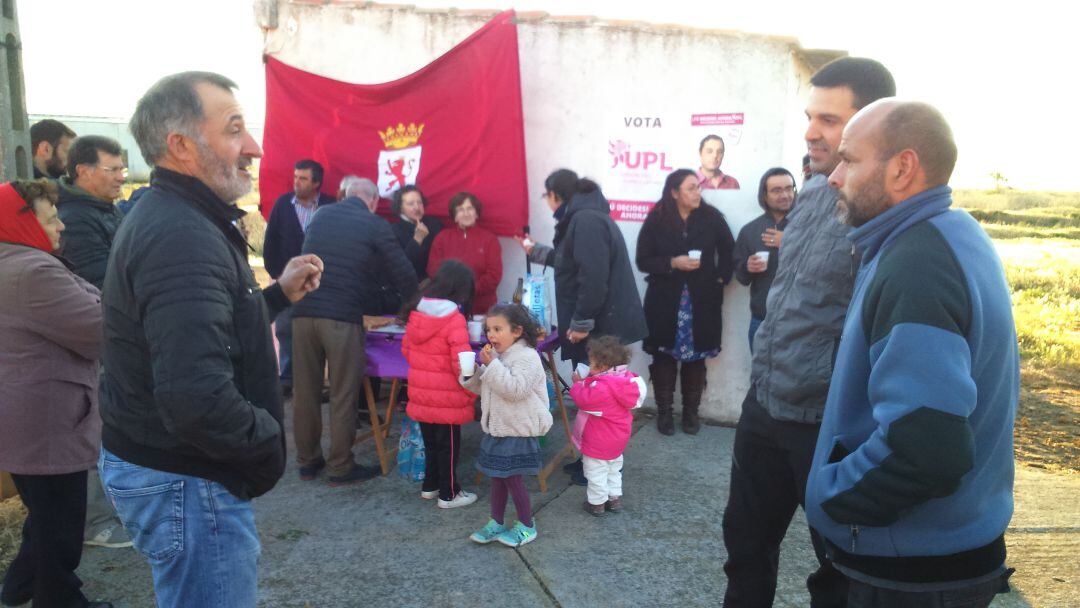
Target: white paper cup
[695,254]
[582,369]
[467,359]
[764,255]
[476,331]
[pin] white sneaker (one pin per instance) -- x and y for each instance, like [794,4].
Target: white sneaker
[463,499]
[112,536]
[429,495]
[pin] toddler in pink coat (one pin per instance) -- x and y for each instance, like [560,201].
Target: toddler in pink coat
[604,399]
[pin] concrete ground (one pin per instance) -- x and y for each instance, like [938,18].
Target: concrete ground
[379,543]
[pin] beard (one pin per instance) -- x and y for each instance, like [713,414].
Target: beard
[222,177]
[55,167]
[865,203]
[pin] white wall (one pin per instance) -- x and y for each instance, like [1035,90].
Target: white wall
[579,81]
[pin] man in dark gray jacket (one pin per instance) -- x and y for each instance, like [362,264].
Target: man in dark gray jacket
[793,355]
[360,253]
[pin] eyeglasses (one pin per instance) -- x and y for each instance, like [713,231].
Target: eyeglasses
[784,190]
[121,169]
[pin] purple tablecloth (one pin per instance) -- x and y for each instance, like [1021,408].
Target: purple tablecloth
[550,342]
[384,358]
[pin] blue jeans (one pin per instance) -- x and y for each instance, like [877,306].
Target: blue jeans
[754,324]
[200,540]
[283,332]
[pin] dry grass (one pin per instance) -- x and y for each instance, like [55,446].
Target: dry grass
[1014,199]
[1037,235]
[12,514]
[1045,278]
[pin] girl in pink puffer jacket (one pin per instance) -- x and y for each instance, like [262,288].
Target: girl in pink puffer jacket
[604,399]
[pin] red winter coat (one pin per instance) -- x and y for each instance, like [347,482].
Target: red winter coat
[479,250]
[434,335]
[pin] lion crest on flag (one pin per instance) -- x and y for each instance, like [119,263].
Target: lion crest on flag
[399,162]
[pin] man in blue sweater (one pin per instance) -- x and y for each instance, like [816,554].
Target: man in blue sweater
[911,483]
[793,355]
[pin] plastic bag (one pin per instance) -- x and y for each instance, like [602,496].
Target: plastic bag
[536,298]
[410,457]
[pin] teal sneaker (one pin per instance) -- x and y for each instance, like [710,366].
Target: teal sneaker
[488,533]
[519,535]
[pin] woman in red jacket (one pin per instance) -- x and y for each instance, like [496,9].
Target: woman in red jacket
[476,247]
[435,332]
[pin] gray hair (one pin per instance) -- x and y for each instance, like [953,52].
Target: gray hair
[360,187]
[347,182]
[172,105]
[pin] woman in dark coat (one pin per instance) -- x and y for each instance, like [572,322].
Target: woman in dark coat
[595,289]
[684,295]
[415,232]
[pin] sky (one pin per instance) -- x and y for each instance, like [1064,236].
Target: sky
[1003,73]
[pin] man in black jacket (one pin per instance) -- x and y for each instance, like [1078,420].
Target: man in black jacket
[94,178]
[360,253]
[776,194]
[191,407]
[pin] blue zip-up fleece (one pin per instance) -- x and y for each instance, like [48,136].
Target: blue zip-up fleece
[913,473]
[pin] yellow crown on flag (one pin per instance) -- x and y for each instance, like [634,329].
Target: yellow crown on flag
[402,136]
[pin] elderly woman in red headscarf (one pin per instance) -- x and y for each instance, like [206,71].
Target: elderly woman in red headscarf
[50,431]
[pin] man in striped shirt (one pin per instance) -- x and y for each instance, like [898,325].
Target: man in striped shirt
[285,231]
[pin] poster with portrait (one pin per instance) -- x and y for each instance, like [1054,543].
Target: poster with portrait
[642,149]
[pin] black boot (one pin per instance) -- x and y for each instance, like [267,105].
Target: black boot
[663,371]
[692,383]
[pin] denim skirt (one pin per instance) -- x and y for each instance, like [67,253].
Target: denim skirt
[509,456]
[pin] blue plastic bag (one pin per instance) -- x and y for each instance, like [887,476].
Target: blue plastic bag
[410,456]
[536,297]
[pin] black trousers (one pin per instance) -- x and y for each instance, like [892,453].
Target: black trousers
[442,446]
[862,595]
[769,467]
[52,537]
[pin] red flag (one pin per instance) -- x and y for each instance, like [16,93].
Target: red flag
[454,125]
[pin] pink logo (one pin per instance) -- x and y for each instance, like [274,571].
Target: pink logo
[621,154]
